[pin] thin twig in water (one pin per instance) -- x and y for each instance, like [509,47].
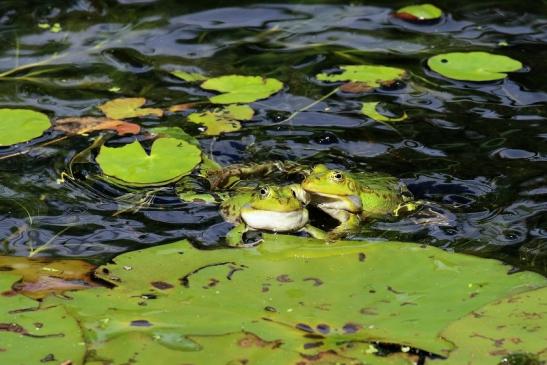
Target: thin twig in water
[45,246]
[308,106]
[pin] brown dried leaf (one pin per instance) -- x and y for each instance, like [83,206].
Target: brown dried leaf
[355,87]
[181,107]
[82,125]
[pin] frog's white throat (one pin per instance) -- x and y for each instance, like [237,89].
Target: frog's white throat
[275,221]
[350,203]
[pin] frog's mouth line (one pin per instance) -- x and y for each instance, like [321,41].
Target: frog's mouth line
[275,221]
[351,203]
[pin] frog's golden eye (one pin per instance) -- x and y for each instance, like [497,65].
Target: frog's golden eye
[337,176]
[264,192]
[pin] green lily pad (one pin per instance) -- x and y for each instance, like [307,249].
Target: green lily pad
[222,120]
[189,76]
[169,160]
[241,89]
[128,108]
[174,132]
[473,66]
[32,335]
[370,76]
[21,125]
[419,12]
[512,325]
[369,109]
[309,298]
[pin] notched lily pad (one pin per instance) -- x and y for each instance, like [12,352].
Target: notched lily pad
[364,78]
[513,327]
[473,66]
[83,125]
[21,125]
[128,108]
[370,110]
[422,12]
[241,89]
[189,76]
[169,159]
[222,120]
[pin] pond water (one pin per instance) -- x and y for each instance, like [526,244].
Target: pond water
[475,150]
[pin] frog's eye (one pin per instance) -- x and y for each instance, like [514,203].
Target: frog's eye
[293,193]
[264,192]
[337,176]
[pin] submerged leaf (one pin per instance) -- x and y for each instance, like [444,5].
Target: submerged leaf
[222,120]
[189,76]
[309,298]
[128,108]
[21,125]
[82,125]
[241,89]
[32,335]
[369,76]
[473,66]
[169,159]
[369,109]
[513,325]
[419,12]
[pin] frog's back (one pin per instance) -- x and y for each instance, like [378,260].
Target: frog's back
[380,194]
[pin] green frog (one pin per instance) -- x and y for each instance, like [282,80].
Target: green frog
[267,208]
[352,197]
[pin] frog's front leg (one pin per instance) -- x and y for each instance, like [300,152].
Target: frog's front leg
[234,238]
[349,223]
[315,232]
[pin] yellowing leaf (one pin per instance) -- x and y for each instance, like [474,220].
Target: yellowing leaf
[82,125]
[222,120]
[128,108]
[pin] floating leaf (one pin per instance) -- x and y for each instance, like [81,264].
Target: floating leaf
[128,108]
[419,12]
[241,89]
[222,120]
[181,107]
[21,125]
[310,298]
[369,109]
[513,325]
[42,276]
[189,76]
[82,125]
[169,159]
[369,76]
[30,335]
[473,66]
[174,132]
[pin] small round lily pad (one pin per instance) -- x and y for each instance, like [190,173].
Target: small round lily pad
[169,159]
[369,76]
[473,66]
[369,109]
[422,12]
[241,89]
[21,125]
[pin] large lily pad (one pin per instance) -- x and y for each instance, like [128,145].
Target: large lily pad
[513,325]
[473,66]
[31,335]
[241,89]
[222,120]
[308,297]
[21,125]
[368,76]
[128,108]
[419,12]
[169,159]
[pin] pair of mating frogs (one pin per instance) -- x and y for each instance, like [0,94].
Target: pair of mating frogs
[346,197]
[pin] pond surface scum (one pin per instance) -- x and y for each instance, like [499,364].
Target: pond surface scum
[113,205]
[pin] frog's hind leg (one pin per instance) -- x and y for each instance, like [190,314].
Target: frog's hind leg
[235,237]
[315,232]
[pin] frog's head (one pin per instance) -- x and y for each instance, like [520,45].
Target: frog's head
[275,209]
[333,189]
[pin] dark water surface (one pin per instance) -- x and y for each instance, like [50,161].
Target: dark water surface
[477,150]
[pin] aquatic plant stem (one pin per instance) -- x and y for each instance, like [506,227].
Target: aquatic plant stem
[31,148]
[294,114]
[46,245]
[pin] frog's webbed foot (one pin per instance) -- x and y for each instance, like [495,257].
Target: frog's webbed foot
[348,226]
[407,207]
[241,236]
